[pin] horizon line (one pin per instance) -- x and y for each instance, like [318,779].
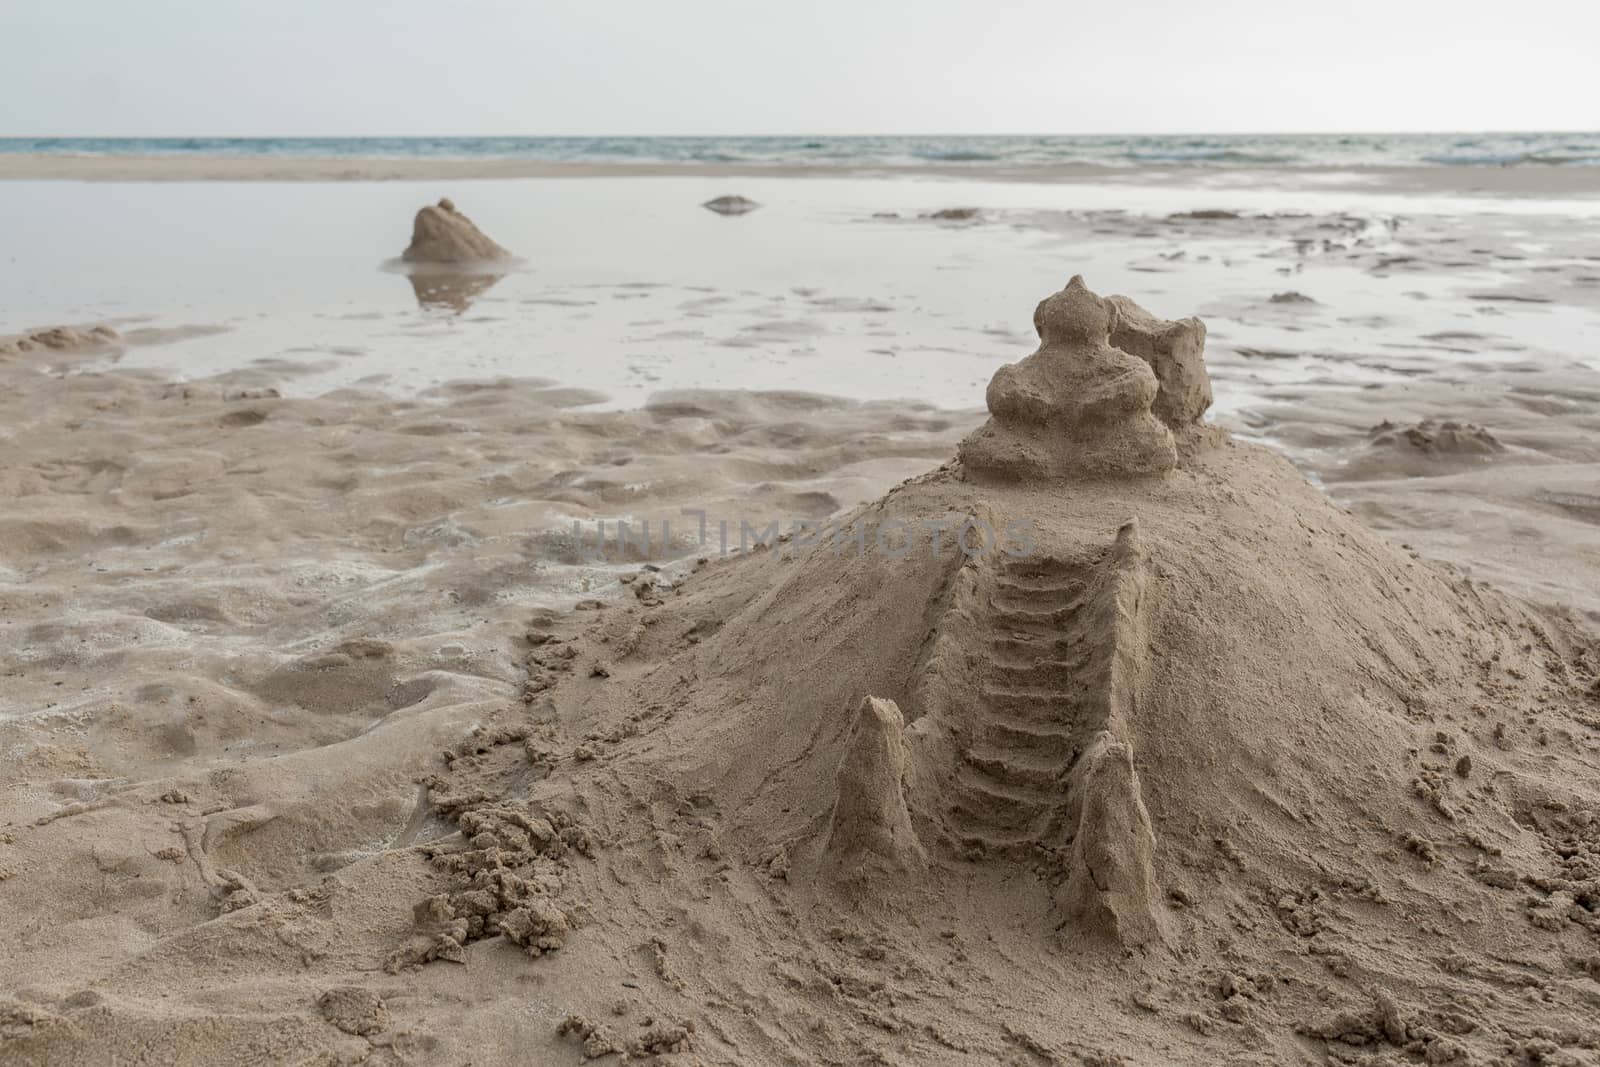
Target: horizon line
[767,136]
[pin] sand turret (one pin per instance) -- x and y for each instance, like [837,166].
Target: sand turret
[1111,391]
[1175,352]
[870,834]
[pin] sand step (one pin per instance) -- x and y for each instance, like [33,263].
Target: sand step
[1046,739]
[1040,568]
[1038,592]
[1054,674]
[1019,767]
[998,841]
[1030,618]
[1039,704]
[999,802]
[1027,647]
[1061,612]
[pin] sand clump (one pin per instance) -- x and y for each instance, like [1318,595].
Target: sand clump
[354,1010]
[1437,439]
[441,234]
[1176,352]
[505,872]
[1428,448]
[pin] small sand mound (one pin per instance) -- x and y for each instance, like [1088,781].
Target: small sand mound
[1437,438]
[59,339]
[1430,448]
[1205,215]
[731,205]
[441,234]
[354,1010]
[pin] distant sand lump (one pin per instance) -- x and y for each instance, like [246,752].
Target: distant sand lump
[731,205]
[441,234]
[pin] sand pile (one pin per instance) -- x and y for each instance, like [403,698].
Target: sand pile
[1437,439]
[1111,741]
[730,205]
[59,339]
[441,234]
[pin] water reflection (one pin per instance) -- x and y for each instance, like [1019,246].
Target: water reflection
[455,290]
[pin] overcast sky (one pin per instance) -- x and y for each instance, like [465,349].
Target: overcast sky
[343,67]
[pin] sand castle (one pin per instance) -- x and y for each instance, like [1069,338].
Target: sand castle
[441,234]
[1186,765]
[1070,730]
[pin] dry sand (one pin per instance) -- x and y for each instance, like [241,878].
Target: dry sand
[317,767]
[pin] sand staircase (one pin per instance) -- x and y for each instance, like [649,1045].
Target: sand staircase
[1061,640]
[1025,735]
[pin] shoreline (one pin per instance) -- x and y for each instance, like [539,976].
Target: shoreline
[1468,180]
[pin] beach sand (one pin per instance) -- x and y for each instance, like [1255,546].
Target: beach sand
[297,606]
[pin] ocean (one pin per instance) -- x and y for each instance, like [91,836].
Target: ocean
[1233,150]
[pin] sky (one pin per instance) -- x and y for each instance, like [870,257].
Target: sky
[704,67]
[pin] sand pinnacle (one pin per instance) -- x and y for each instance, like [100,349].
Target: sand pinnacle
[870,834]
